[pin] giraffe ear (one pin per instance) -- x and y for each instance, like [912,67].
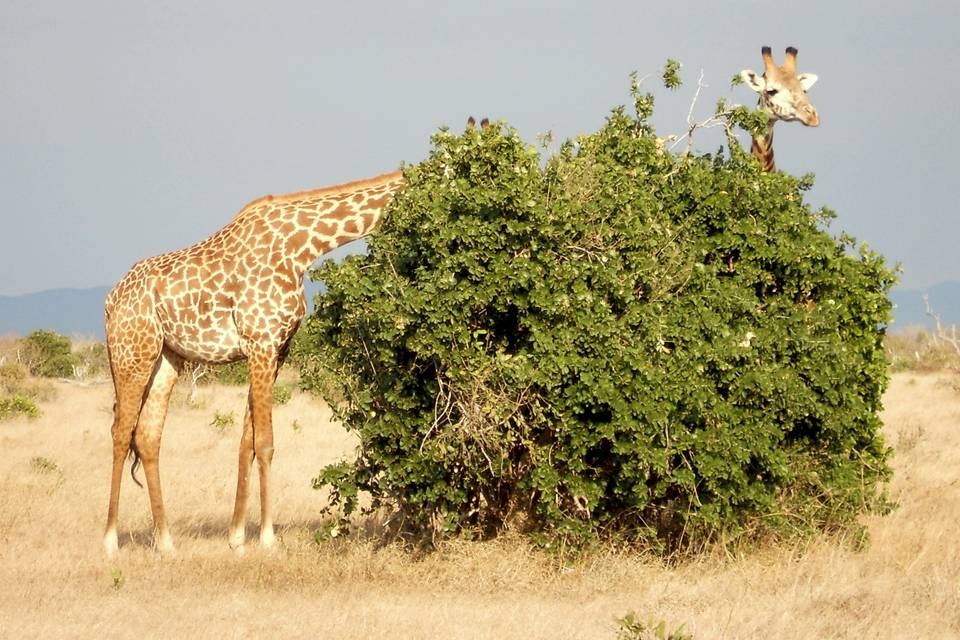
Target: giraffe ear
[753,80]
[807,80]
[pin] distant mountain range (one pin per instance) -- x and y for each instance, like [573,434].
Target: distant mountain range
[79,312]
[72,312]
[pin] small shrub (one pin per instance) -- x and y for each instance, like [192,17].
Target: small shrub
[117,579]
[44,465]
[48,354]
[235,373]
[330,530]
[631,627]
[297,427]
[92,360]
[18,406]
[222,421]
[281,394]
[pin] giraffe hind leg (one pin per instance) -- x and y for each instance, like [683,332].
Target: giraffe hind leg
[130,390]
[132,365]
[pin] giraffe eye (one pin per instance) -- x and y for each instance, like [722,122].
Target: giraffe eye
[772,92]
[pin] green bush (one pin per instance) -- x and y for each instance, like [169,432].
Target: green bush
[632,627]
[235,373]
[18,406]
[616,343]
[281,394]
[223,421]
[304,358]
[92,359]
[48,354]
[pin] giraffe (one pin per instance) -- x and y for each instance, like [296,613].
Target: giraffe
[783,95]
[236,295]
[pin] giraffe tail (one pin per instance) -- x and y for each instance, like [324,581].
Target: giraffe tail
[135,453]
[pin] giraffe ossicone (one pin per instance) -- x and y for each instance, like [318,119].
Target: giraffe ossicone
[783,96]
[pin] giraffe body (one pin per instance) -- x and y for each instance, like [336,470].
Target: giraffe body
[783,96]
[236,295]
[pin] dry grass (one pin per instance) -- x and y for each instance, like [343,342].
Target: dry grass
[8,349]
[920,349]
[54,581]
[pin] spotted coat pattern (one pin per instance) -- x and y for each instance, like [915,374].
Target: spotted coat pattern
[236,295]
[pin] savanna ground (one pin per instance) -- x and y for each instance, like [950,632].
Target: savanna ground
[55,581]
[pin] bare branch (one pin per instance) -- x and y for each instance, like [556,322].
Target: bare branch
[197,371]
[691,126]
[940,333]
[720,119]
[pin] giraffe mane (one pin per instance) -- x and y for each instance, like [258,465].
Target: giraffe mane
[347,187]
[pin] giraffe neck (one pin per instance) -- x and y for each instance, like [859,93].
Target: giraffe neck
[297,228]
[762,148]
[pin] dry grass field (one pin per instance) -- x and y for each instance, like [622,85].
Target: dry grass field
[56,583]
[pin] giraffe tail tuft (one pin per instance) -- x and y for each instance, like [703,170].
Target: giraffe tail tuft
[136,463]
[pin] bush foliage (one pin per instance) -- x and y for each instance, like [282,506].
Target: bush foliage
[92,360]
[49,354]
[611,342]
[18,405]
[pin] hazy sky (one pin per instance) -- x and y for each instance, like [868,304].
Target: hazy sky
[131,128]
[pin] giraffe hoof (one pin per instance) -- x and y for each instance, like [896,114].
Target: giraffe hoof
[110,545]
[237,540]
[165,548]
[268,540]
[239,550]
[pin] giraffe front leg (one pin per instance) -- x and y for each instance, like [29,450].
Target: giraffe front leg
[256,443]
[238,524]
[262,376]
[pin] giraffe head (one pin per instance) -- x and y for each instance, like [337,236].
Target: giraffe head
[783,93]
